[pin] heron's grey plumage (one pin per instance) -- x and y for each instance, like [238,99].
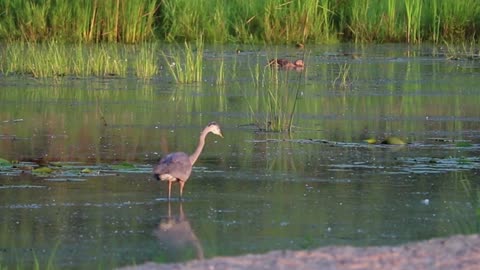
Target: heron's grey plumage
[177,167]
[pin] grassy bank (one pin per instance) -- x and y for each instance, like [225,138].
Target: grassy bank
[85,20]
[247,21]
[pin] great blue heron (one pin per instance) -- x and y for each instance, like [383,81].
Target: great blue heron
[177,167]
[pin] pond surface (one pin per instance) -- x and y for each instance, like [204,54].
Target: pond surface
[252,191]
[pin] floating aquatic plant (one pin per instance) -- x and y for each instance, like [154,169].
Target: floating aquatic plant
[463,144]
[42,170]
[4,162]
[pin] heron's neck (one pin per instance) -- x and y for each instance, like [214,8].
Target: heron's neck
[198,151]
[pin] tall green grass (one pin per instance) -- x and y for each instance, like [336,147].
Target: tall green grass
[319,21]
[413,9]
[240,21]
[84,20]
[54,59]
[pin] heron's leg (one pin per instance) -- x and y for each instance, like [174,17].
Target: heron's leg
[181,188]
[169,189]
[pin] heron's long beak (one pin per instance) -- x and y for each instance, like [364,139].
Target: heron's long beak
[221,135]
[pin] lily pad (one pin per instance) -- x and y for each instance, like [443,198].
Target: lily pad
[4,162]
[43,170]
[393,141]
[86,170]
[463,144]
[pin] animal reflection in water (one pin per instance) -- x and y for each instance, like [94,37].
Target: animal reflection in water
[176,237]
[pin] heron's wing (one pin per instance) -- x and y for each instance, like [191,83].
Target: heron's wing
[176,164]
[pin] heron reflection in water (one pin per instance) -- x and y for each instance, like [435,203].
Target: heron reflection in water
[177,237]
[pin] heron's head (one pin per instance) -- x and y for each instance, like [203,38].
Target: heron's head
[214,128]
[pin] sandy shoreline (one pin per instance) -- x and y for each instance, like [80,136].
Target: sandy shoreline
[452,253]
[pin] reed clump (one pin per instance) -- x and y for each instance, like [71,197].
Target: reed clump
[55,60]
[463,51]
[278,95]
[146,61]
[343,79]
[186,64]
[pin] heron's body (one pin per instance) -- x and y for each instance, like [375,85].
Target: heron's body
[177,167]
[174,167]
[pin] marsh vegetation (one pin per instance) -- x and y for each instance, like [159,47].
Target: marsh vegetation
[250,21]
[95,92]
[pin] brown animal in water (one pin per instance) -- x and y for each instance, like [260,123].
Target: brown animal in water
[286,64]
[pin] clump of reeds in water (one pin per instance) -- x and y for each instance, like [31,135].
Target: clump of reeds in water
[44,60]
[145,62]
[54,59]
[105,61]
[186,64]
[343,79]
[278,98]
[462,51]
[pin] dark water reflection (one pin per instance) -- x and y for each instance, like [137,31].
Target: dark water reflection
[252,191]
[176,237]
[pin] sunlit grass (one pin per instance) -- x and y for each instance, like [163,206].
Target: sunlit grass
[186,64]
[106,61]
[146,62]
[56,60]
[297,21]
[248,21]
[78,21]
[413,9]
[455,19]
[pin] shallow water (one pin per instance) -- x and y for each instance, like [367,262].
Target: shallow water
[251,191]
